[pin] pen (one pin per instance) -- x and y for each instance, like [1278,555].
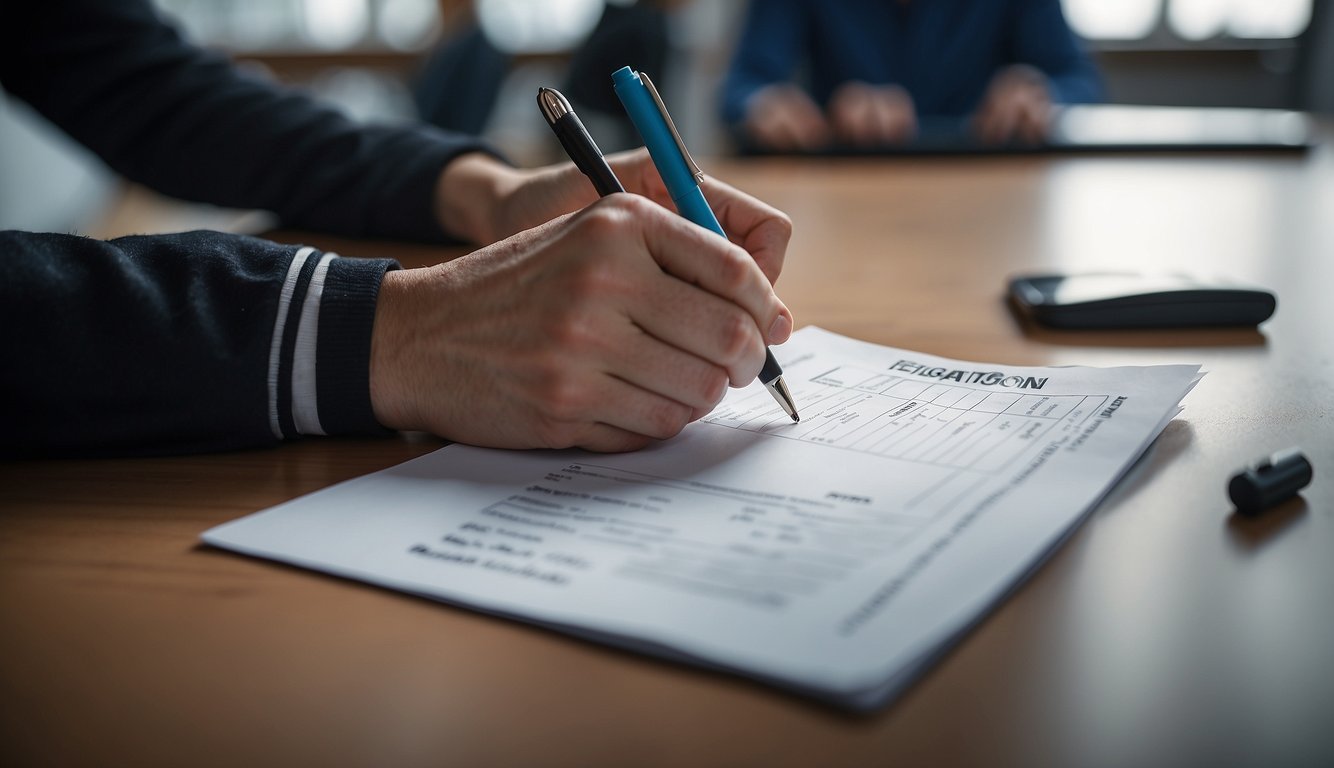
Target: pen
[577,142]
[682,177]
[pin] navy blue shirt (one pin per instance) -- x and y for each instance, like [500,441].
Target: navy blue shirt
[944,52]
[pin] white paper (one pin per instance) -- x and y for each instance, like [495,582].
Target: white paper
[837,556]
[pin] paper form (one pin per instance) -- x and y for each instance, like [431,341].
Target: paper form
[836,556]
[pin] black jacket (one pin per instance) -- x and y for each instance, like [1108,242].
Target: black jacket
[175,343]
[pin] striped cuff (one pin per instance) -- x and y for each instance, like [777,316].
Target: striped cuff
[319,357]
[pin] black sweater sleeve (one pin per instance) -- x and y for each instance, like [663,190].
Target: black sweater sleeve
[146,345]
[186,122]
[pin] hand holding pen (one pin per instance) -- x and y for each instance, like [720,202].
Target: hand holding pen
[606,329]
[771,229]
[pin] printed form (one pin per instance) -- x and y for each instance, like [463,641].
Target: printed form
[836,557]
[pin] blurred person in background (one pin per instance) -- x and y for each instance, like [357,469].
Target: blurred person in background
[458,84]
[606,328]
[808,75]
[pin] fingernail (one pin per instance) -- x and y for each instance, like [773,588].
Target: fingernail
[780,330]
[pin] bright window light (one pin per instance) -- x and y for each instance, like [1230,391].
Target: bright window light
[537,26]
[1113,19]
[1269,18]
[1247,19]
[335,23]
[1198,19]
[408,24]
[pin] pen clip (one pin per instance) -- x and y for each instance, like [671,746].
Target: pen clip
[671,126]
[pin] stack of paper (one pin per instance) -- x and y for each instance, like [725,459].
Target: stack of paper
[837,557]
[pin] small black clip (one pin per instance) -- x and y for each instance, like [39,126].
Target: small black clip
[1269,481]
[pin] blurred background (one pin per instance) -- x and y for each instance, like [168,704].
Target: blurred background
[387,60]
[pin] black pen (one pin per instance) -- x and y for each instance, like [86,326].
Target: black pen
[577,142]
[588,158]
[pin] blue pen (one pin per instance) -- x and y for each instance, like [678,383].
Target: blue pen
[682,177]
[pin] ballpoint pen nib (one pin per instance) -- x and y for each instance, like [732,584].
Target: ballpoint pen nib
[553,104]
[778,388]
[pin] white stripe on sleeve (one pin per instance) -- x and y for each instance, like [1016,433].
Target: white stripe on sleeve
[305,399]
[276,346]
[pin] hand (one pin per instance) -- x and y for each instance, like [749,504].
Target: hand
[605,329]
[782,117]
[1017,106]
[870,115]
[491,201]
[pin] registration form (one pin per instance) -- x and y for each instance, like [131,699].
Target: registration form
[836,557]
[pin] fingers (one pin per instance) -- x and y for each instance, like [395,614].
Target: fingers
[1033,123]
[705,326]
[893,116]
[579,416]
[867,115]
[657,338]
[761,229]
[654,362]
[1017,106]
[997,124]
[701,258]
[1014,118]
[602,382]
[783,118]
[883,123]
[849,113]
[764,231]
[637,173]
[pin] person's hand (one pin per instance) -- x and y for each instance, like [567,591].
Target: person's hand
[491,201]
[1017,106]
[605,330]
[783,118]
[870,115]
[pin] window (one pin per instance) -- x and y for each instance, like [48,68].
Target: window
[1123,20]
[1204,19]
[299,25]
[1188,22]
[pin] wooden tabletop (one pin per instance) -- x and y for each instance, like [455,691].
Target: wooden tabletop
[1166,631]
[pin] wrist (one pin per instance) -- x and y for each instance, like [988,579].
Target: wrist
[469,195]
[389,338]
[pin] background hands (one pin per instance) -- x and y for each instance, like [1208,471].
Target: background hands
[782,117]
[605,329]
[1017,106]
[869,115]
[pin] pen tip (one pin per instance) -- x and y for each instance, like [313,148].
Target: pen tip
[778,388]
[553,104]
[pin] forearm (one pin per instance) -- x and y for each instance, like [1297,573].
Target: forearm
[181,343]
[469,193]
[186,122]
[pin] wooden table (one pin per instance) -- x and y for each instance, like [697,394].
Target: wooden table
[1166,631]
